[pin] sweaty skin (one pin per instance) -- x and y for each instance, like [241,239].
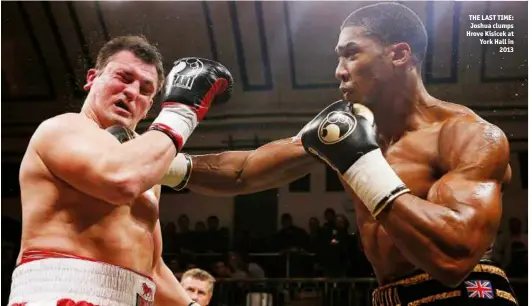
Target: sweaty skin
[84,193]
[455,162]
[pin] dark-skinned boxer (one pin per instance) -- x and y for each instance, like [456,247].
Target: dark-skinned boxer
[426,184]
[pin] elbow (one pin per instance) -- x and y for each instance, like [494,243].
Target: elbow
[452,272]
[237,187]
[451,276]
[122,188]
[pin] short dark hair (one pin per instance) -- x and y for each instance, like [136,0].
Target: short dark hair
[214,218]
[392,23]
[138,45]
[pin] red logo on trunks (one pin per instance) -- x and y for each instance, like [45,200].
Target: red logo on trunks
[69,302]
[147,291]
[146,299]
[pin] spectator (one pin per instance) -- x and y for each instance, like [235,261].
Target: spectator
[360,265]
[185,236]
[290,237]
[338,250]
[199,285]
[217,239]
[516,250]
[220,269]
[200,237]
[330,219]
[240,268]
[329,225]
[315,235]
[175,267]
[170,240]
[502,248]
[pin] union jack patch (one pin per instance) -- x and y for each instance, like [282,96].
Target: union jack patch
[479,289]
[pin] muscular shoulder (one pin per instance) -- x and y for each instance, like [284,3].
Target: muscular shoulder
[64,123]
[70,120]
[470,144]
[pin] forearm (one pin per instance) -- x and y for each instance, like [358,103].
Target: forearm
[139,164]
[240,172]
[169,291]
[218,174]
[433,237]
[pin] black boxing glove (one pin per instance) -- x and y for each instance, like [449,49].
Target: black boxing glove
[178,173]
[121,133]
[344,136]
[190,88]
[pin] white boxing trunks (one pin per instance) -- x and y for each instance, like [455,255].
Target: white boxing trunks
[45,278]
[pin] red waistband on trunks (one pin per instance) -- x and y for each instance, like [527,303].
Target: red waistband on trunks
[33,255]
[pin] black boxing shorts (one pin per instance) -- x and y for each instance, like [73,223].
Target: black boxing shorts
[486,285]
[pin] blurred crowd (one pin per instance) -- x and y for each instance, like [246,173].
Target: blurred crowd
[322,250]
[326,248]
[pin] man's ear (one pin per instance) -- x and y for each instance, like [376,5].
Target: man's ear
[91,75]
[402,54]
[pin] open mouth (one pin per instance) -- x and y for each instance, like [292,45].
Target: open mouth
[122,105]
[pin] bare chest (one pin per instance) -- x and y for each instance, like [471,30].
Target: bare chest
[145,208]
[139,215]
[414,160]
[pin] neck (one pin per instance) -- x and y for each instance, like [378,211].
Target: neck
[403,110]
[88,112]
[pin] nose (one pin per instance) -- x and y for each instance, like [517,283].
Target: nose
[341,73]
[193,295]
[132,91]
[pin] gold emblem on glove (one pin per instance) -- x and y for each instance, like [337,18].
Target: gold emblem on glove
[336,127]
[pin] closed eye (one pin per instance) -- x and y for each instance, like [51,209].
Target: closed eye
[147,89]
[124,77]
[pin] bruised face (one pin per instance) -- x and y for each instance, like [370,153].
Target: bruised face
[365,66]
[199,291]
[122,92]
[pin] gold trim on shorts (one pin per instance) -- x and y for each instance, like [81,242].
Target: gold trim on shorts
[383,295]
[490,269]
[390,296]
[436,297]
[505,295]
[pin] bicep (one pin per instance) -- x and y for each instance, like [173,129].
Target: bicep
[476,158]
[474,203]
[74,153]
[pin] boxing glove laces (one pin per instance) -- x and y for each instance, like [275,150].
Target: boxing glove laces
[344,136]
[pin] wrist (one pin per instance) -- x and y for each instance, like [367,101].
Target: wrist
[178,172]
[374,181]
[176,120]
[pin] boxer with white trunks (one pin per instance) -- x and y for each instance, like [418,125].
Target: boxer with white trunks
[90,228]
